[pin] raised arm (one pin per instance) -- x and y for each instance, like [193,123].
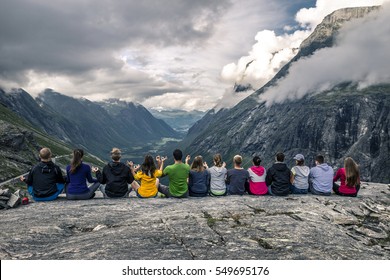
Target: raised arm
[188,157]
[131,165]
[161,163]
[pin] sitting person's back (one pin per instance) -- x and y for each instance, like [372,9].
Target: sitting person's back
[198,183]
[237,178]
[45,180]
[257,175]
[278,177]
[217,176]
[178,174]
[148,176]
[300,176]
[321,177]
[349,177]
[78,173]
[116,176]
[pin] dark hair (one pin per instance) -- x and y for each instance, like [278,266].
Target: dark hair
[76,160]
[177,154]
[320,159]
[197,164]
[300,162]
[256,160]
[280,157]
[217,160]
[148,167]
[351,172]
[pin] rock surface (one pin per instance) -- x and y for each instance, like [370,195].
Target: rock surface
[18,150]
[234,227]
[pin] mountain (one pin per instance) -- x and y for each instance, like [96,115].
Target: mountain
[87,124]
[344,121]
[20,142]
[179,120]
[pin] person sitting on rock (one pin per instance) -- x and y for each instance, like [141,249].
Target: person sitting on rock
[217,176]
[116,176]
[148,176]
[237,178]
[198,182]
[178,175]
[300,176]
[349,177]
[257,175]
[278,177]
[78,173]
[45,181]
[321,177]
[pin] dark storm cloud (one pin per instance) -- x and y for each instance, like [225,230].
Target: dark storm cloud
[73,37]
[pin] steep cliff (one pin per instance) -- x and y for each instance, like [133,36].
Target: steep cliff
[344,121]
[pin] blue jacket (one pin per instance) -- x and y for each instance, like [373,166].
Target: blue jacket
[78,180]
[321,177]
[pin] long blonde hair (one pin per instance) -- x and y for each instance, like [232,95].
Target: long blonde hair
[351,171]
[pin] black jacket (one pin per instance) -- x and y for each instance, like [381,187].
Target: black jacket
[278,177]
[116,176]
[43,178]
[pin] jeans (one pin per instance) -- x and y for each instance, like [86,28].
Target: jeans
[336,190]
[295,190]
[314,191]
[60,188]
[83,196]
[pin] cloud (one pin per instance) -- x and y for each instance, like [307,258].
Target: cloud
[311,17]
[272,50]
[230,98]
[144,52]
[57,42]
[360,55]
[265,59]
[185,101]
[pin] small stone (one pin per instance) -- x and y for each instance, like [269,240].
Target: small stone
[99,227]
[13,201]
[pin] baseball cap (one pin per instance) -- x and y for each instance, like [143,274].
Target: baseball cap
[299,157]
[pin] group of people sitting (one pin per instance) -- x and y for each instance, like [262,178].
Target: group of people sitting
[45,181]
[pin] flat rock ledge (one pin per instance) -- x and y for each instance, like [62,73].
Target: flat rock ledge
[235,227]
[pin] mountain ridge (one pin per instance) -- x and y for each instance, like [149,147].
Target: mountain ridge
[340,122]
[87,124]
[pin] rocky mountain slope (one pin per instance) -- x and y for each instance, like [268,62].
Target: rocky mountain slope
[86,124]
[305,227]
[20,142]
[344,121]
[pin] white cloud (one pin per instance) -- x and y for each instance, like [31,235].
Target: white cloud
[267,56]
[311,17]
[360,55]
[272,51]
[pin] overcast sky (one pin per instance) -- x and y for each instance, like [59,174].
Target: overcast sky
[180,54]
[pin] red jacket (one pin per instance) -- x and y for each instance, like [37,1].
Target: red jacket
[344,188]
